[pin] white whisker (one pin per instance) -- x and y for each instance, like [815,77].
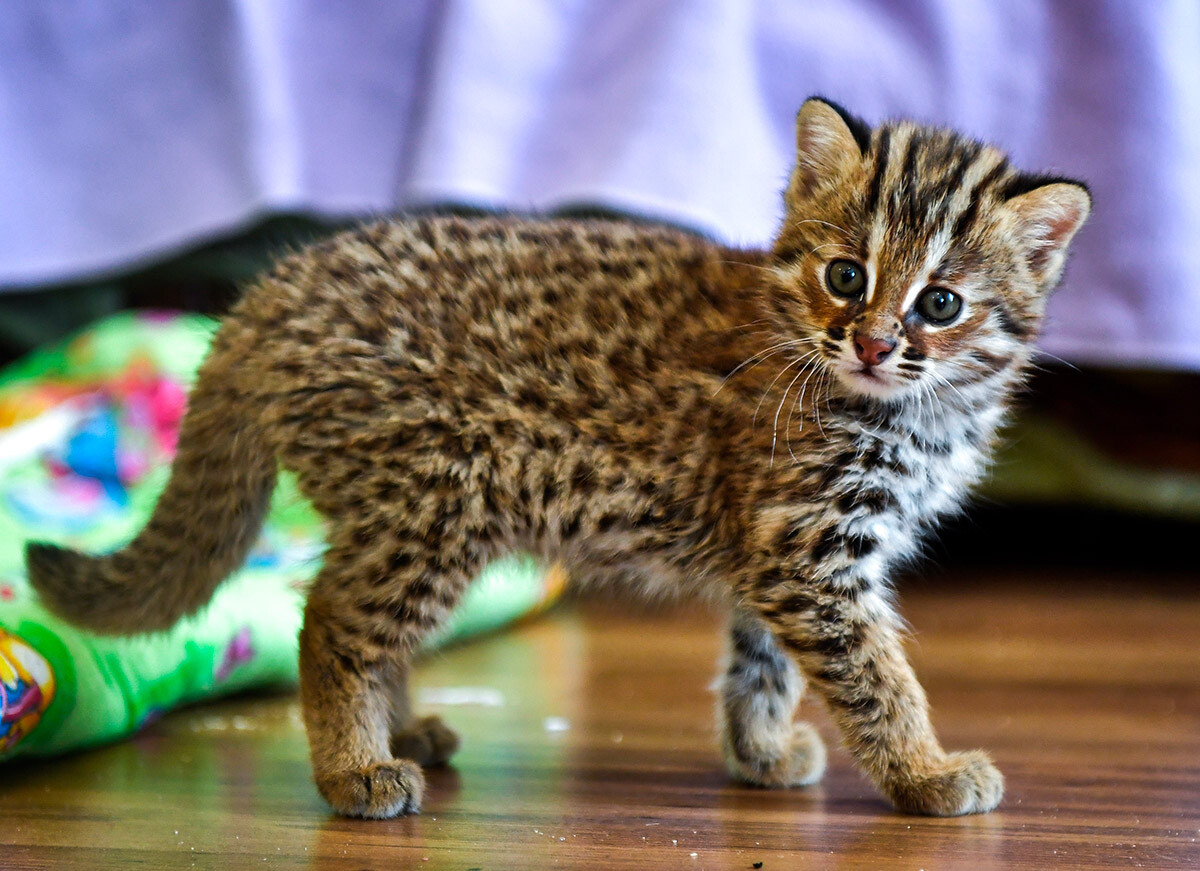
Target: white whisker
[826,374]
[748,265]
[830,245]
[775,425]
[767,392]
[824,224]
[787,427]
[765,355]
[1044,353]
[943,380]
[806,361]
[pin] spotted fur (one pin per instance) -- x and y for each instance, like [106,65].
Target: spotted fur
[639,403]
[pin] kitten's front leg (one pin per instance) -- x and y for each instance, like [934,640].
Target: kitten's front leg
[846,639]
[759,693]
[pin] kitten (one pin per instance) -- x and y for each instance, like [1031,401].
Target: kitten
[779,428]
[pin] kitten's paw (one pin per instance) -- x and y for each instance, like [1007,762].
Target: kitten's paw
[376,792]
[428,741]
[801,762]
[964,783]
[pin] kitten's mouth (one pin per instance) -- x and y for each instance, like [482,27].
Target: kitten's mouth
[868,381]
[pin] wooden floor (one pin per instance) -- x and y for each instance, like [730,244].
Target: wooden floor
[588,744]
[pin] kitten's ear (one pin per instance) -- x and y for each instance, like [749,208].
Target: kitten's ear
[828,138]
[1049,211]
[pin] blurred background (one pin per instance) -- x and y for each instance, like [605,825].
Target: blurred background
[156,155]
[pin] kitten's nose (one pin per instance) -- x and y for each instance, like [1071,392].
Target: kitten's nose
[873,351]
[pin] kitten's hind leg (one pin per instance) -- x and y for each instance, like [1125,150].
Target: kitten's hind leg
[359,622]
[344,700]
[759,693]
[426,740]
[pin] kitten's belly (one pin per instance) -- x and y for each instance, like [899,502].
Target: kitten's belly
[611,562]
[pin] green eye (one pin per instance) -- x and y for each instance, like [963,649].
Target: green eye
[846,278]
[938,305]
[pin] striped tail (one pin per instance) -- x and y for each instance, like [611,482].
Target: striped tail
[201,530]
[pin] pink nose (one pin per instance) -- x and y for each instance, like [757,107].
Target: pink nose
[873,351]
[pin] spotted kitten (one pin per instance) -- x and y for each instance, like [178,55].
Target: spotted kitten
[778,428]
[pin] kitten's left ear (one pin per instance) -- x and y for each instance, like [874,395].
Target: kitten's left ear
[828,138]
[1049,211]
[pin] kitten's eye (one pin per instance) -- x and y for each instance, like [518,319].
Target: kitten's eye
[846,278]
[938,305]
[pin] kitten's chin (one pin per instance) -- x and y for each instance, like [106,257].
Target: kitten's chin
[871,384]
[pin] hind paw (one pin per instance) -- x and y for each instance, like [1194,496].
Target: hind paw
[428,741]
[800,763]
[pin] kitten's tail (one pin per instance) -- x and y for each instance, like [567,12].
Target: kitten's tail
[202,527]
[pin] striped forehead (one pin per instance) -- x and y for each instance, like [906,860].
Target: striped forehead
[922,195]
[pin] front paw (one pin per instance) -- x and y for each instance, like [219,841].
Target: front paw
[376,792]
[962,783]
[799,762]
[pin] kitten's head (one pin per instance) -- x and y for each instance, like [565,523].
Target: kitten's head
[912,257]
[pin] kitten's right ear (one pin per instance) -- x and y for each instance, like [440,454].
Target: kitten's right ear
[828,138]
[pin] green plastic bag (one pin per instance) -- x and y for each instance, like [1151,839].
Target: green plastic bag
[86,435]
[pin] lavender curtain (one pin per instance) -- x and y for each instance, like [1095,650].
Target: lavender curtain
[129,130]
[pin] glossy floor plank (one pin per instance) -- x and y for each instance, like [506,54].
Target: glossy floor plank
[588,744]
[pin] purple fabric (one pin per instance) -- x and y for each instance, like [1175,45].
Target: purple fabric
[128,129]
